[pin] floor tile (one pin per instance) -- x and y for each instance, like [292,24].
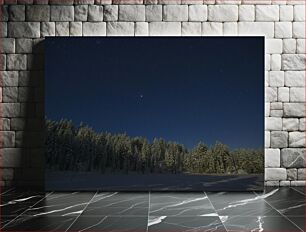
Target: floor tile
[181,224]
[287,201]
[110,224]
[259,223]
[299,221]
[301,190]
[42,223]
[108,204]
[241,204]
[14,203]
[61,204]
[180,204]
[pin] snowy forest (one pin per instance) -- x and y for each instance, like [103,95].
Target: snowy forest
[81,149]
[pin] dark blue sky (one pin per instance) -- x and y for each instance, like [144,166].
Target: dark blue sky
[181,89]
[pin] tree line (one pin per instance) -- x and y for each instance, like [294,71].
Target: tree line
[80,148]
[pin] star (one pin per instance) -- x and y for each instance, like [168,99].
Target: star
[141,96]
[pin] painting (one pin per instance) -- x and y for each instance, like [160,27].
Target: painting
[154,113]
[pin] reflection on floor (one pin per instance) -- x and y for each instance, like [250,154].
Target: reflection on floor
[274,210]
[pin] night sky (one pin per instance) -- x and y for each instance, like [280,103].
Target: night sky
[181,89]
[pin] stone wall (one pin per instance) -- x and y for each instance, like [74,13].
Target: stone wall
[25,23]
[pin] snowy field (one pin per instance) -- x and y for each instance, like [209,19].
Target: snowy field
[76,181]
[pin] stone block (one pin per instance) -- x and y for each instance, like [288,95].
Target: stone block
[273,46]
[80,13]
[131,13]
[61,13]
[302,124]
[283,30]
[290,124]
[267,139]
[8,139]
[299,13]
[297,183]
[284,183]
[267,60]
[175,13]
[110,12]
[17,13]
[24,29]
[300,47]
[256,28]
[295,78]
[276,106]
[18,124]
[11,110]
[3,62]
[95,13]
[292,174]
[230,28]
[11,157]
[154,13]
[4,16]
[267,109]
[8,45]
[286,13]
[277,79]
[165,28]
[279,139]
[24,45]
[120,29]
[301,174]
[9,94]
[276,62]
[246,13]
[191,28]
[62,28]
[273,123]
[275,174]
[212,28]
[276,113]
[267,13]
[273,183]
[296,139]
[5,124]
[47,29]
[75,29]
[141,29]
[293,61]
[270,94]
[16,62]
[94,29]
[272,158]
[293,158]
[9,78]
[197,13]
[289,46]
[298,30]
[297,94]
[38,13]
[222,13]
[294,110]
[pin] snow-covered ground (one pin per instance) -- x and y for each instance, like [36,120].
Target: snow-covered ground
[76,181]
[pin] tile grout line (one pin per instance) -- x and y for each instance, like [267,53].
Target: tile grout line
[298,191]
[281,214]
[149,211]
[215,210]
[82,212]
[14,219]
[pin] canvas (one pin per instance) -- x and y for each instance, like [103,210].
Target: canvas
[154,113]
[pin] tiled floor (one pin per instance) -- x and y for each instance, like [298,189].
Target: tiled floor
[275,210]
